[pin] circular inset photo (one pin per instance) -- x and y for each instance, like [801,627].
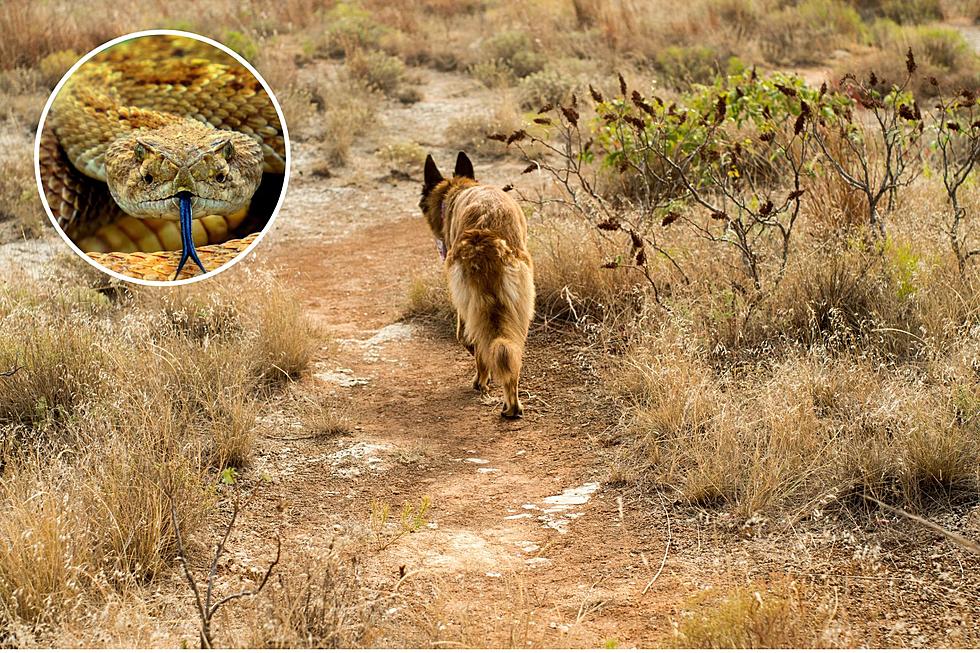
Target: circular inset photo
[162,157]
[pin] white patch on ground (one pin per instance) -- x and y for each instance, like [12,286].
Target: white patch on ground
[462,551]
[477,461]
[556,515]
[355,459]
[487,470]
[396,332]
[391,333]
[575,496]
[342,377]
[555,523]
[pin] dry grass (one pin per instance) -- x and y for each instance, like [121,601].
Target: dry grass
[37,30]
[348,114]
[326,606]
[21,214]
[321,417]
[941,52]
[469,133]
[786,428]
[136,404]
[571,283]
[776,615]
[857,375]
[428,297]
[436,618]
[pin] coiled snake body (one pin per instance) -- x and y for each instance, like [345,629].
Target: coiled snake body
[151,125]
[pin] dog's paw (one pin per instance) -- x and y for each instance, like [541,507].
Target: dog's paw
[512,412]
[482,387]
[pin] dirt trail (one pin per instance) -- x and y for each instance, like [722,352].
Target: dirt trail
[520,525]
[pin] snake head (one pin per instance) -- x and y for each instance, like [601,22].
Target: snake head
[147,170]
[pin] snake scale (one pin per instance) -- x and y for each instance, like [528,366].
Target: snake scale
[161,148]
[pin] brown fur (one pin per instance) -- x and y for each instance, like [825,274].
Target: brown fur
[491,276]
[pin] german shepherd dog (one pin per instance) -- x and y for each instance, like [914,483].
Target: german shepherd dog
[481,233]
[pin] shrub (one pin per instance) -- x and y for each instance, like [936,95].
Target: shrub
[940,52]
[44,549]
[756,616]
[58,374]
[326,606]
[21,214]
[54,66]
[470,132]
[377,70]
[906,12]
[492,73]
[349,28]
[514,50]
[408,156]
[823,430]
[428,297]
[810,31]
[572,281]
[683,66]
[117,411]
[242,44]
[548,86]
[349,111]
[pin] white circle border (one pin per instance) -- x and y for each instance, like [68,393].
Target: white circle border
[57,89]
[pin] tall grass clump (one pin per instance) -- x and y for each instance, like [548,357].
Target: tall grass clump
[117,412]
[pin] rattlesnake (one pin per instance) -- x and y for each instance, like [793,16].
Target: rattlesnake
[152,124]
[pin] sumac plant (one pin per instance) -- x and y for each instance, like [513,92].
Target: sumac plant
[957,130]
[881,148]
[728,161]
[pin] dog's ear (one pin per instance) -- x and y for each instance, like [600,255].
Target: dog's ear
[464,168]
[432,174]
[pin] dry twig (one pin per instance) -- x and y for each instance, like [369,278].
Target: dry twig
[207,608]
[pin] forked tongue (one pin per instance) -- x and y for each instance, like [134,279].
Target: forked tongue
[186,233]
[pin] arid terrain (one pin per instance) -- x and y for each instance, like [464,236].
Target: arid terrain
[698,466]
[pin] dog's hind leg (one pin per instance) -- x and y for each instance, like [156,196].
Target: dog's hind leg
[512,403]
[504,358]
[481,382]
[461,335]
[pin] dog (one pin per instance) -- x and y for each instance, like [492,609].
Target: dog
[481,233]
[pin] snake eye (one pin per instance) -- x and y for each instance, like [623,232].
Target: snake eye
[148,178]
[220,177]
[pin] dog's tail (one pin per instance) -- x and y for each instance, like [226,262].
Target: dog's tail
[503,357]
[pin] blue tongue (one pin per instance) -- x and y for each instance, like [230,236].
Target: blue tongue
[186,234]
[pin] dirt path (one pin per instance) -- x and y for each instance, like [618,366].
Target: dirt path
[521,527]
